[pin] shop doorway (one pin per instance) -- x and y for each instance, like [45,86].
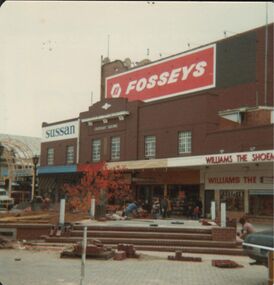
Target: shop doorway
[209,197]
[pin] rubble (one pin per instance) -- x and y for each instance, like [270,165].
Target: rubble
[128,249]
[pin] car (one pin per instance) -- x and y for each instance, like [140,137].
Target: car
[258,244]
[6,203]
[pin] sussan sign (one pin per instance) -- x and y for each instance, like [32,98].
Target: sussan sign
[185,73]
[63,131]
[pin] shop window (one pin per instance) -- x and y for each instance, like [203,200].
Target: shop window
[234,200]
[185,142]
[261,205]
[50,156]
[70,154]
[115,148]
[150,147]
[96,150]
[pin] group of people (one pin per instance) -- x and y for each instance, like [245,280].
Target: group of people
[161,207]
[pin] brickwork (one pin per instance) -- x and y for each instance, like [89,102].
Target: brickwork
[224,234]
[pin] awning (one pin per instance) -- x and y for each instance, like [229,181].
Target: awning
[261,192]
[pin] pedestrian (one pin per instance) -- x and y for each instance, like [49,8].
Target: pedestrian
[155,211]
[164,206]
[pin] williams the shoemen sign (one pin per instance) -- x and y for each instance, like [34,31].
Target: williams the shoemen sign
[181,74]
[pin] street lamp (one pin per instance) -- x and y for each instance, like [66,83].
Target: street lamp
[35,160]
[1,153]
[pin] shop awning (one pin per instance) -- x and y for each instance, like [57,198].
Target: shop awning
[261,192]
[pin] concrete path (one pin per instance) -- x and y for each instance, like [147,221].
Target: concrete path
[20,267]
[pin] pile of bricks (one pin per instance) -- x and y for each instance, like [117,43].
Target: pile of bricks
[179,257]
[93,250]
[225,264]
[125,251]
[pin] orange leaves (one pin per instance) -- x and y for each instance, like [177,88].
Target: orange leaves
[97,177]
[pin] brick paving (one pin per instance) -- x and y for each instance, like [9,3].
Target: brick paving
[20,267]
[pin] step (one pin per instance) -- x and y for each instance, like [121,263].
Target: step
[158,242]
[202,250]
[147,235]
[144,229]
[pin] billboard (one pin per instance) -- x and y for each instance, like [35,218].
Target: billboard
[181,74]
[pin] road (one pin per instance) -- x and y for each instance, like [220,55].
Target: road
[32,267]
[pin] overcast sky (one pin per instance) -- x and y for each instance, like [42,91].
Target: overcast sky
[50,52]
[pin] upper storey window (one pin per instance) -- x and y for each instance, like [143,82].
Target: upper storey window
[50,156]
[150,147]
[185,142]
[115,148]
[96,150]
[70,154]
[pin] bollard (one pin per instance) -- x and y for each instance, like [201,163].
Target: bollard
[223,214]
[213,210]
[62,211]
[92,208]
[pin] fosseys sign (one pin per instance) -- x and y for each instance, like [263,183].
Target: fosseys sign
[188,72]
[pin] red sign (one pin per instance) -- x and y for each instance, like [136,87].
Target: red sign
[185,73]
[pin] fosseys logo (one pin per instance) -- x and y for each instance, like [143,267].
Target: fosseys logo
[181,74]
[115,90]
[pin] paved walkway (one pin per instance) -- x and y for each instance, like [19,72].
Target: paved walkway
[20,267]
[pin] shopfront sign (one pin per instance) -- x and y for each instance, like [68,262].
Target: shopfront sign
[262,156]
[63,131]
[249,179]
[181,74]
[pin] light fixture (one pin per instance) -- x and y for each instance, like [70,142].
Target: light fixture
[221,151]
[252,148]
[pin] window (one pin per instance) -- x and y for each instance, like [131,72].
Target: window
[50,156]
[150,146]
[115,148]
[185,141]
[70,154]
[96,150]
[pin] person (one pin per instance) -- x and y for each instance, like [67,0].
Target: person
[169,207]
[155,211]
[131,209]
[247,228]
[196,213]
[164,206]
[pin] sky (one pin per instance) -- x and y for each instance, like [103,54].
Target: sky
[50,51]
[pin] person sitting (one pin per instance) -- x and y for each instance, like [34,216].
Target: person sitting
[131,209]
[247,228]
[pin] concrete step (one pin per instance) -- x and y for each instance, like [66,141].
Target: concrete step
[171,249]
[189,249]
[154,242]
[159,229]
[147,235]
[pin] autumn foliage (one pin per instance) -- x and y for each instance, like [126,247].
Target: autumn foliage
[97,179]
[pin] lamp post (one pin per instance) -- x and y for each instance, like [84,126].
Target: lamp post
[1,153]
[35,160]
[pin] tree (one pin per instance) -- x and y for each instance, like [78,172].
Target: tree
[96,180]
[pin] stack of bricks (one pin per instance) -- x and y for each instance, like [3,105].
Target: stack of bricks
[180,257]
[128,249]
[225,264]
[120,255]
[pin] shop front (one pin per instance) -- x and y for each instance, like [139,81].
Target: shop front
[181,187]
[246,189]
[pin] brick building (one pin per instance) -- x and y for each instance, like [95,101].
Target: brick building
[196,125]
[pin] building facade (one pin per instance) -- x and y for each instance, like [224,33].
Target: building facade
[196,125]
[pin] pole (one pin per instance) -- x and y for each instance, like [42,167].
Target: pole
[223,214]
[266,54]
[84,246]
[213,210]
[92,207]
[62,211]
